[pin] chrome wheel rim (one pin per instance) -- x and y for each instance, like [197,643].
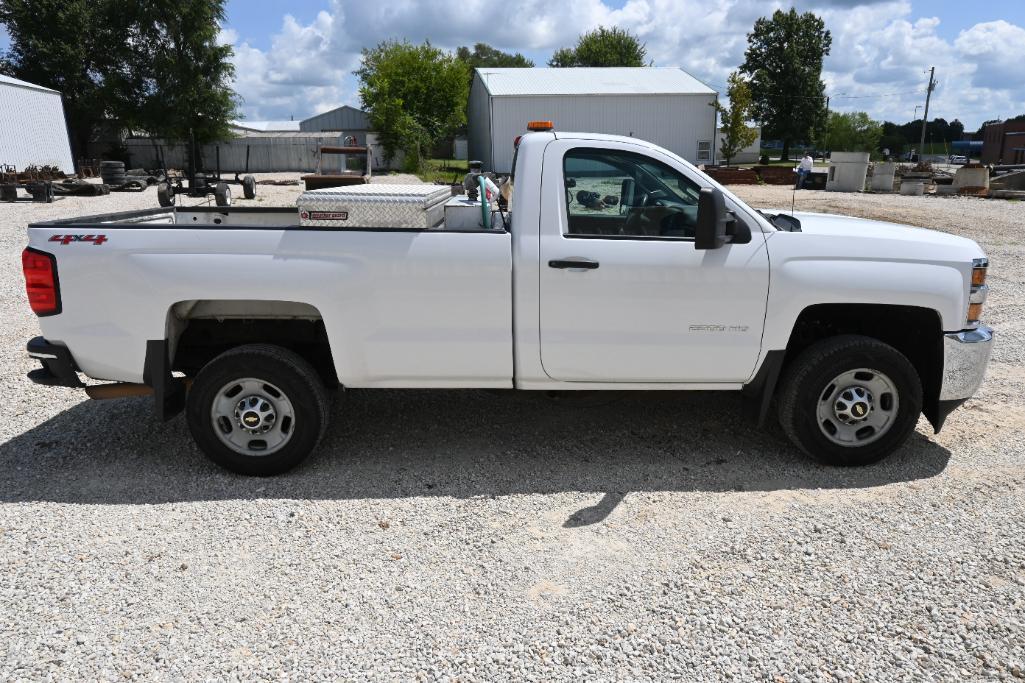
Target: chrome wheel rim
[252,417]
[857,407]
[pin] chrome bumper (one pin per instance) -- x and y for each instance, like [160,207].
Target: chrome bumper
[965,355]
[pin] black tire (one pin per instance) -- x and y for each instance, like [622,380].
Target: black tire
[222,194]
[249,187]
[8,193]
[284,371]
[112,172]
[165,194]
[807,381]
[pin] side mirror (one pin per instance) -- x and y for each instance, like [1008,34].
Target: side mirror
[715,225]
[710,231]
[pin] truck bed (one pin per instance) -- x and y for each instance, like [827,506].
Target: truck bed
[401,307]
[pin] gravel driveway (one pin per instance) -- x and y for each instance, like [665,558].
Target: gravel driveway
[473,536]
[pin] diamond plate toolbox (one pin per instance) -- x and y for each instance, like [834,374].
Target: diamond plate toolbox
[420,207]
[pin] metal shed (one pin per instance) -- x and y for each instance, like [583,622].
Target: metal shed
[348,119]
[268,152]
[663,105]
[32,126]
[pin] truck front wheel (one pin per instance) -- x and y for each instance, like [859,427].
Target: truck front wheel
[257,410]
[850,400]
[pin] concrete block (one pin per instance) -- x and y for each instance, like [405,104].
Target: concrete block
[882,177]
[973,177]
[847,171]
[1009,181]
[912,188]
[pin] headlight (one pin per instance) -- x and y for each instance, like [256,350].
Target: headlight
[979,291]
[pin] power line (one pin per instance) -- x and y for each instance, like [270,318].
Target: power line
[837,96]
[841,96]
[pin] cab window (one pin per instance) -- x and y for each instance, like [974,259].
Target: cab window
[613,193]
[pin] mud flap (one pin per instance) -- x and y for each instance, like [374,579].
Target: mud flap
[759,391]
[168,391]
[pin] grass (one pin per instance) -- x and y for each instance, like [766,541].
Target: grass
[444,171]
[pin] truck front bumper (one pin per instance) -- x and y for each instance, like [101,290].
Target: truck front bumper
[59,369]
[965,355]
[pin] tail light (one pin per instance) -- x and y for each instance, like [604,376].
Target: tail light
[41,283]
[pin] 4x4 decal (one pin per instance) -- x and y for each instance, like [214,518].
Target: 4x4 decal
[97,240]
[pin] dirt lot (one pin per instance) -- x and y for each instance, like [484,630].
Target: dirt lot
[463,535]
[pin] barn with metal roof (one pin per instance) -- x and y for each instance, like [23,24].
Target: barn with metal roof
[663,105]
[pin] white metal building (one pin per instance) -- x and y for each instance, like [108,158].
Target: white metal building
[663,105]
[748,155]
[32,126]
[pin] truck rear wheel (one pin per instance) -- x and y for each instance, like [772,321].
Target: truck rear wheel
[249,187]
[257,410]
[850,400]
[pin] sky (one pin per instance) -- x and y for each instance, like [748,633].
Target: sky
[296,59]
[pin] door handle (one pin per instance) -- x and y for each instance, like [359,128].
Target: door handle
[567,263]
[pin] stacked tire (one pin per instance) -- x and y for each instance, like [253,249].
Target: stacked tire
[113,173]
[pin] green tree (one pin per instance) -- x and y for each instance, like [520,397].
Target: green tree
[852,132]
[784,61]
[190,74]
[414,96]
[892,139]
[484,56]
[602,47]
[81,48]
[736,133]
[126,64]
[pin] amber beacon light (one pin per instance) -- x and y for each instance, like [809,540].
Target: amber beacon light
[538,126]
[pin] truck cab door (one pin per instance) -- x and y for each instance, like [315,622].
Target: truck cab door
[624,295]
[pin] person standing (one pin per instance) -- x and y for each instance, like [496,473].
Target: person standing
[803,169]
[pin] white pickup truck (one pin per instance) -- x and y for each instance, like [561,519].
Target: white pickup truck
[618,266]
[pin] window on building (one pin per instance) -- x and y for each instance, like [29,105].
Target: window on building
[704,151]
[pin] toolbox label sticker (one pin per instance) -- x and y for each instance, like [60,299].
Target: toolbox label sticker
[325,215]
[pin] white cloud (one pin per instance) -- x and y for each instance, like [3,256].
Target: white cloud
[300,75]
[996,48]
[879,56]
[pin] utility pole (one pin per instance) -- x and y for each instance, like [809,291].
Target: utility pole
[827,131]
[925,115]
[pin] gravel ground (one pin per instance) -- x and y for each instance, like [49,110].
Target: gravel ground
[464,535]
